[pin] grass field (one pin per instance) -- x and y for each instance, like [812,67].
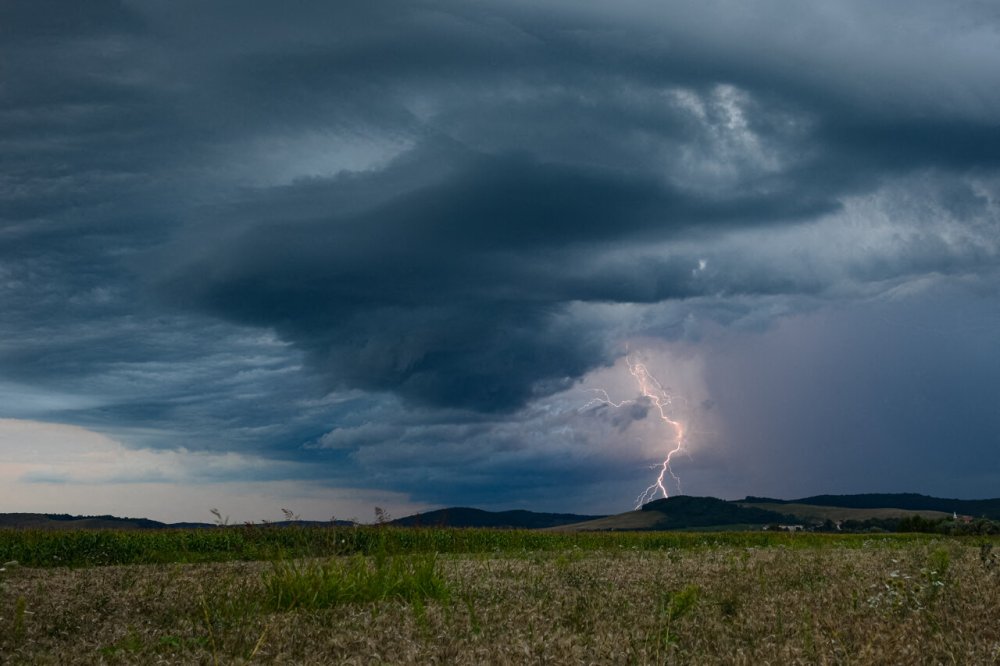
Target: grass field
[480,597]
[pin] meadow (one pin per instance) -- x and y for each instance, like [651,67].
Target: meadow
[366,595]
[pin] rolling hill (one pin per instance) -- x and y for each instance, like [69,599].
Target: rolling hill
[51,521]
[988,508]
[684,512]
[468,517]
[674,513]
[62,521]
[820,513]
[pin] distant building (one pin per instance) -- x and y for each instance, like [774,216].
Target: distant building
[786,528]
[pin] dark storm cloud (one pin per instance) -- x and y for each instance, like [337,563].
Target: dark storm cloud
[550,148]
[463,206]
[497,458]
[54,19]
[446,294]
[460,260]
[914,144]
[440,286]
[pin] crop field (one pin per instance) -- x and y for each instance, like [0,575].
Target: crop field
[380,595]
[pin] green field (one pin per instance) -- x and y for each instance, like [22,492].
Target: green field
[383,595]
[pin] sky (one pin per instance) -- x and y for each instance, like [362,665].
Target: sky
[325,256]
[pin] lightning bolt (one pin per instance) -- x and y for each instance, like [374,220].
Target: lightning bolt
[652,390]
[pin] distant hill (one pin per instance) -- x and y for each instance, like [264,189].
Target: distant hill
[689,511]
[990,508]
[307,523]
[813,513]
[63,521]
[468,517]
[454,517]
[882,510]
[684,512]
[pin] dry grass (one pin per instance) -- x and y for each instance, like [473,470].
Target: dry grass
[926,602]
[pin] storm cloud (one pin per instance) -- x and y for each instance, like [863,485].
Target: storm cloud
[356,232]
[547,163]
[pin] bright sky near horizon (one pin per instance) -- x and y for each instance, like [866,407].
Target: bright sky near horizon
[350,254]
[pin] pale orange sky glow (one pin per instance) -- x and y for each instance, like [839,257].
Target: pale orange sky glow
[56,468]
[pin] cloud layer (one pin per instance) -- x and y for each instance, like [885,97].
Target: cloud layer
[353,234]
